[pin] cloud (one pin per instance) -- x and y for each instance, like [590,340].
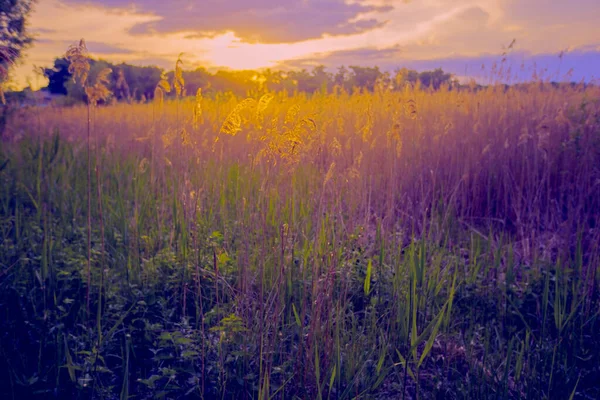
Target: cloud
[100,48]
[518,65]
[42,31]
[253,21]
[387,57]
[252,34]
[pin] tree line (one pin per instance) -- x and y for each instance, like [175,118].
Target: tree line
[137,83]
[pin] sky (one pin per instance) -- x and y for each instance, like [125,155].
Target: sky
[559,39]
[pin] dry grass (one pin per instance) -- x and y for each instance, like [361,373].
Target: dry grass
[522,158]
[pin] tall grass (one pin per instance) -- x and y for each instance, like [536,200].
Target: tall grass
[407,244]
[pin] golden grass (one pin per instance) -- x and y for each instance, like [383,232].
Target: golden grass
[501,148]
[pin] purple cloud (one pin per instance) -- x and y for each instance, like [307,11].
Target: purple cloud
[368,57]
[42,31]
[264,21]
[574,66]
[104,48]
[95,48]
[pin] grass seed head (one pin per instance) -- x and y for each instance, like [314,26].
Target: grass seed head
[178,81]
[79,63]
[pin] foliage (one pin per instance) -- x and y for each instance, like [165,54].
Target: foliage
[138,83]
[14,37]
[14,40]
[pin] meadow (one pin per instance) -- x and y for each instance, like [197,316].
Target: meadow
[405,244]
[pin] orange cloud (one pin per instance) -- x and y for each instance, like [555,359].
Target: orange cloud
[238,36]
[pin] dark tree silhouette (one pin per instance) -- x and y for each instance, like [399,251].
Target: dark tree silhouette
[14,37]
[58,76]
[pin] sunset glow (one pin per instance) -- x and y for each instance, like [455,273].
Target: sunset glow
[264,34]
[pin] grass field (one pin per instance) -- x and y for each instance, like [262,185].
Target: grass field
[396,244]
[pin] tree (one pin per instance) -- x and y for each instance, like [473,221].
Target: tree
[14,37]
[129,82]
[321,78]
[365,77]
[58,76]
[434,79]
[121,90]
[405,76]
[341,77]
[141,80]
[196,79]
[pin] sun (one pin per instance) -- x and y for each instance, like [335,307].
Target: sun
[227,50]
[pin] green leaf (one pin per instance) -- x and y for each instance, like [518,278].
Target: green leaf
[431,339]
[70,365]
[216,235]
[296,316]
[380,379]
[150,381]
[332,379]
[405,364]
[119,322]
[318,372]
[380,362]
[281,387]
[413,331]
[223,258]
[183,341]
[572,396]
[367,285]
